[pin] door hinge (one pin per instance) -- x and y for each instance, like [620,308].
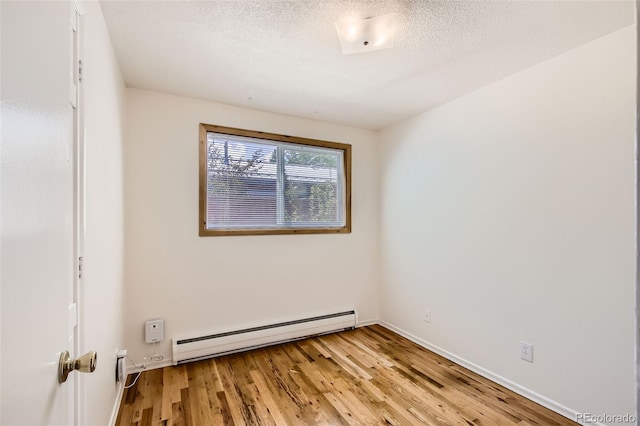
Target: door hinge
[80,264]
[80,71]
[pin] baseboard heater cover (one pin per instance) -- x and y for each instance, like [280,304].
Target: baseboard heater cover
[190,349]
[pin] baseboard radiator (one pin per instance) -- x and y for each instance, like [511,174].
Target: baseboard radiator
[207,346]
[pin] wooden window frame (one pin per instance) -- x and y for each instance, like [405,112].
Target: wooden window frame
[204,232]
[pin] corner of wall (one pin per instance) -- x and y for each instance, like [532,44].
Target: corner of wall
[103,292]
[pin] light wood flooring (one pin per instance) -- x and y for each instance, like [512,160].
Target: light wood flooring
[366,376]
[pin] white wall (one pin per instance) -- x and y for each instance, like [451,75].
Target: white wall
[206,284]
[509,213]
[104,239]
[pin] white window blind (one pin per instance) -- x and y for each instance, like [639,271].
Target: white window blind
[255,183]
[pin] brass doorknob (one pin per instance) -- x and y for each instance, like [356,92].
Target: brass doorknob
[85,364]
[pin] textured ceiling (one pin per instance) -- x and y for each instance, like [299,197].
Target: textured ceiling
[285,57]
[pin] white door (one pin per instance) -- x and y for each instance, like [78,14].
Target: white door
[38,212]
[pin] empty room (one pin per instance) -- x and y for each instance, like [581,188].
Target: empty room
[318,212]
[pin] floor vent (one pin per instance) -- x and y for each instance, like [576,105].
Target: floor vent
[189,349]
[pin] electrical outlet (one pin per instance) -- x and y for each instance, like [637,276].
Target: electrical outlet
[526,351]
[427,316]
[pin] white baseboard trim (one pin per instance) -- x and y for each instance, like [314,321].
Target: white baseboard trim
[116,405]
[520,390]
[154,365]
[366,323]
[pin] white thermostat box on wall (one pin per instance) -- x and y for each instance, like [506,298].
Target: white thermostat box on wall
[154,330]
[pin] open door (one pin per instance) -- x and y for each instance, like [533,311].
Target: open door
[41,210]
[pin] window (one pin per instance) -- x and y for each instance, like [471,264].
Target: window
[255,183]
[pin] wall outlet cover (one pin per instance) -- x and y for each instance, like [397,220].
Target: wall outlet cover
[526,351]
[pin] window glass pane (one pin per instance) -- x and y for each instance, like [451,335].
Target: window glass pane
[241,183]
[312,187]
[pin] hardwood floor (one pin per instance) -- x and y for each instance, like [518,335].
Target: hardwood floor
[366,376]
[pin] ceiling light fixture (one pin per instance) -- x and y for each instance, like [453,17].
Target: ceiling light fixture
[366,35]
